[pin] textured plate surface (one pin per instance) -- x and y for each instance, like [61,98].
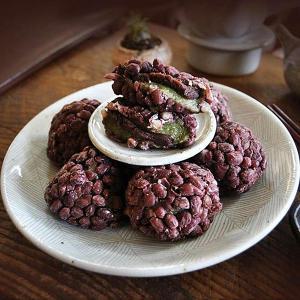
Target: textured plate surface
[243,222]
[205,132]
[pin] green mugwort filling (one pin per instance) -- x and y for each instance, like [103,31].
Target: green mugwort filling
[176,130]
[190,104]
[116,129]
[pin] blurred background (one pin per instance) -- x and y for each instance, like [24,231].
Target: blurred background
[35,32]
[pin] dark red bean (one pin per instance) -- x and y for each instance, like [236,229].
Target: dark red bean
[159,190]
[156,97]
[55,206]
[171,221]
[82,155]
[204,214]
[98,200]
[184,219]
[157,224]
[76,168]
[84,222]
[105,214]
[196,181]
[62,190]
[196,204]
[191,225]
[86,188]
[101,169]
[149,199]
[187,189]
[63,178]
[234,158]
[207,202]
[89,210]
[78,191]
[173,233]
[206,156]
[64,213]
[212,145]
[76,212]
[220,171]
[84,114]
[132,69]
[197,231]
[77,177]
[97,223]
[182,203]
[146,67]
[91,175]
[175,179]
[225,147]
[54,191]
[171,70]
[219,157]
[97,187]
[141,183]
[248,176]
[84,201]
[160,212]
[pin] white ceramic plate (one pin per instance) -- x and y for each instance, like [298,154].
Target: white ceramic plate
[205,132]
[243,222]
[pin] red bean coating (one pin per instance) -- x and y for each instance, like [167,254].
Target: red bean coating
[129,84]
[69,130]
[130,78]
[172,202]
[87,200]
[235,157]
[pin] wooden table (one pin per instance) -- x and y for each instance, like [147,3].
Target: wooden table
[269,270]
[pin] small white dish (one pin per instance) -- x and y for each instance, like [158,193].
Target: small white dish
[227,56]
[123,251]
[205,132]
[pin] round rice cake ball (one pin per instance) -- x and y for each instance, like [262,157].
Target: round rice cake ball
[69,130]
[87,191]
[235,157]
[172,202]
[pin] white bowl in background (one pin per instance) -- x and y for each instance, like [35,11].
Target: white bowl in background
[227,56]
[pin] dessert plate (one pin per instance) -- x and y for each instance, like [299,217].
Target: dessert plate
[123,251]
[205,132]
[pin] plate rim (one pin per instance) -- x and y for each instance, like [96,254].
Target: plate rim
[154,271]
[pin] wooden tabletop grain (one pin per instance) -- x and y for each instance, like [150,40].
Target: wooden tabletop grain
[269,270]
